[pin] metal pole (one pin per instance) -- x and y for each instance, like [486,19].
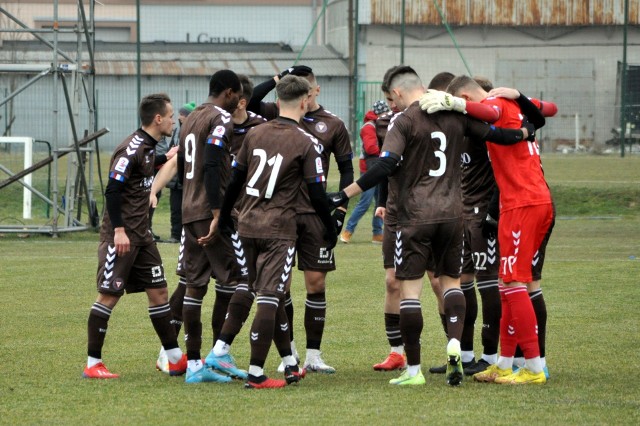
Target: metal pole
[356,71]
[623,88]
[402,28]
[138,82]
[56,145]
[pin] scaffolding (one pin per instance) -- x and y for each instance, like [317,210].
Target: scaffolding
[74,76]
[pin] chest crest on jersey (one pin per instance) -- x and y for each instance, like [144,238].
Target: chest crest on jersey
[321,127]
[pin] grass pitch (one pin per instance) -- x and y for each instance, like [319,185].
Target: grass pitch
[47,287]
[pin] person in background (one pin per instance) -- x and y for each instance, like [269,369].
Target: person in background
[369,155]
[175,186]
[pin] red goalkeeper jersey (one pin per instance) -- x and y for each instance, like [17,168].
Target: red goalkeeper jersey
[517,167]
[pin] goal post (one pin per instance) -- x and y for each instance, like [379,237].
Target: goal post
[28,162]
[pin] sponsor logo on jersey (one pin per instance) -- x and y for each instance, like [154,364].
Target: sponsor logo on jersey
[218,131]
[146,182]
[321,127]
[118,283]
[122,164]
[319,168]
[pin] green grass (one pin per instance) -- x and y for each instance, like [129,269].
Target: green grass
[590,284]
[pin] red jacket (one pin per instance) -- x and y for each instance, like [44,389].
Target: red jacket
[369,140]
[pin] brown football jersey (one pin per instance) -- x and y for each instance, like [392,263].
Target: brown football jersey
[132,164]
[332,135]
[431,147]
[279,158]
[478,183]
[207,124]
[382,126]
[240,130]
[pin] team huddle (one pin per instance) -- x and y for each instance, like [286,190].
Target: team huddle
[254,174]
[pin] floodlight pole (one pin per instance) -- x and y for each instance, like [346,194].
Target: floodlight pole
[138,82]
[402,28]
[623,88]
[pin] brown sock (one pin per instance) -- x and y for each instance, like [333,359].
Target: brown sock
[237,314]
[261,334]
[281,334]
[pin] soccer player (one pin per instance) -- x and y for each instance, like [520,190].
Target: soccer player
[239,301]
[429,210]
[526,221]
[205,159]
[128,258]
[276,158]
[387,209]
[314,256]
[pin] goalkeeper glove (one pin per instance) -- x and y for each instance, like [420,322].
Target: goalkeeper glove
[338,218]
[489,227]
[436,100]
[531,130]
[300,70]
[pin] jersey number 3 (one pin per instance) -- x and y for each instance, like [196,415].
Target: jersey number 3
[274,162]
[439,153]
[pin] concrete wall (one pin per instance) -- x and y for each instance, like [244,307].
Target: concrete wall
[574,67]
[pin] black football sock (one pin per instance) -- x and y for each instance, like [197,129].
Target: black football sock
[454,309]
[443,321]
[540,308]
[237,314]
[191,316]
[471,313]
[392,327]
[411,324]
[161,319]
[491,312]
[220,308]
[314,318]
[175,301]
[97,329]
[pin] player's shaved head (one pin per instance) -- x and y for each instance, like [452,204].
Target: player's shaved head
[404,78]
[460,83]
[292,88]
[441,80]
[385,79]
